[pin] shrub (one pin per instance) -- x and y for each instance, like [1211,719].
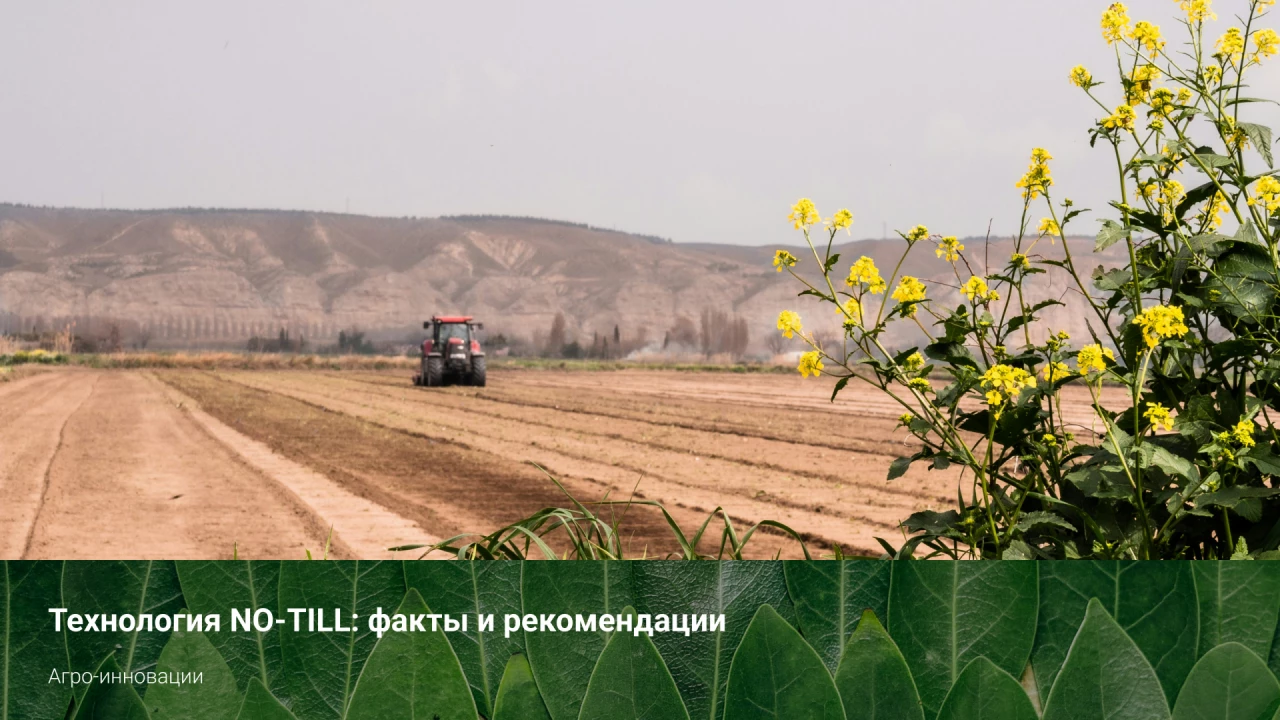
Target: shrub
[1188,327]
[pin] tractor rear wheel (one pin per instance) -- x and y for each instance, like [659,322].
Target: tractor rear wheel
[435,373]
[477,371]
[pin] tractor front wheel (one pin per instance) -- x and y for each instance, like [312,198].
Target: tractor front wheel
[477,371]
[434,376]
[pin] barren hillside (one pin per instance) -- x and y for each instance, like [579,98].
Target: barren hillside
[217,277]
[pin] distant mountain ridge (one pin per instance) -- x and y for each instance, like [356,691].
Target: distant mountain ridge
[207,277]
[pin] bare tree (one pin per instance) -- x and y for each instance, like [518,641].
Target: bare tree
[556,338]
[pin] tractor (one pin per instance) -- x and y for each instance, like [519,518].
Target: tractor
[452,354]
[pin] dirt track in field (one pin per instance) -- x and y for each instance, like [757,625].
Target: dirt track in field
[186,464]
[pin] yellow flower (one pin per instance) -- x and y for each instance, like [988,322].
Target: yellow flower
[976,290]
[950,248]
[810,364]
[782,259]
[1171,191]
[1230,47]
[1267,192]
[1020,261]
[905,419]
[1197,11]
[914,362]
[909,290]
[1184,96]
[1049,439]
[1243,433]
[788,323]
[804,213]
[1147,35]
[1162,101]
[1122,118]
[842,219]
[917,233]
[1036,180]
[1092,358]
[1005,381]
[1158,416]
[852,310]
[1213,212]
[1266,44]
[919,384]
[1055,371]
[1049,227]
[1213,75]
[1159,322]
[1115,22]
[864,271]
[1080,76]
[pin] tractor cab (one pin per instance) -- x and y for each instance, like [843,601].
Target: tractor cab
[451,354]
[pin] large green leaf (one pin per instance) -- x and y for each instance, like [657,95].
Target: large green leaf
[1154,602]
[119,587]
[985,692]
[29,648]
[213,698]
[1239,602]
[518,697]
[562,662]
[734,588]
[631,682]
[221,586]
[776,675]
[1105,676]
[1229,683]
[319,669]
[260,704]
[945,614]
[412,675]
[474,588]
[110,701]
[873,677]
[831,596]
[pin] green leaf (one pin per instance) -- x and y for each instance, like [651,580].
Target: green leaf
[110,701]
[945,614]
[630,682]
[1153,602]
[985,692]
[219,587]
[1111,233]
[873,678]
[260,704]
[700,662]
[28,646]
[518,697]
[953,353]
[562,662]
[830,597]
[319,669]
[135,587]
[1238,603]
[1105,676]
[775,675]
[1260,136]
[474,588]
[1041,518]
[412,674]
[899,466]
[839,386]
[214,698]
[1243,279]
[1229,683]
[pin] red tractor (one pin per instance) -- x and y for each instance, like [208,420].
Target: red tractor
[452,355]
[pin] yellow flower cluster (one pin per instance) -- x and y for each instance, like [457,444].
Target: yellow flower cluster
[1036,180]
[914,362]
[1213,74]
[810,364]
[950,248]
[1230,47]
[1267,192]
[842,219]
[976,290]
[1158,415]
[909,290]
[1080,76]
[1148,36]
[852,311]
[917,233]
[1123,118]
[1055,371]
[1214,211]
[782,259]
[1197,11]
[1049,227]
[1159,322]
[1266,43]
[1020,261]
[864,271]
[905,419]
[788,323]
[1243,433]
[804,213]
[1092,358]
[1115,23]
[1162,101]
[1171,192]
[1005,382]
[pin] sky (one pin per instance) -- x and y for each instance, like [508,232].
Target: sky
[699,122]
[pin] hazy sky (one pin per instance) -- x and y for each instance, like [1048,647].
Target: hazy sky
[694,121]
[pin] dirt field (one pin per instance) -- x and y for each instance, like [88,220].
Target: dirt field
[196,464]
